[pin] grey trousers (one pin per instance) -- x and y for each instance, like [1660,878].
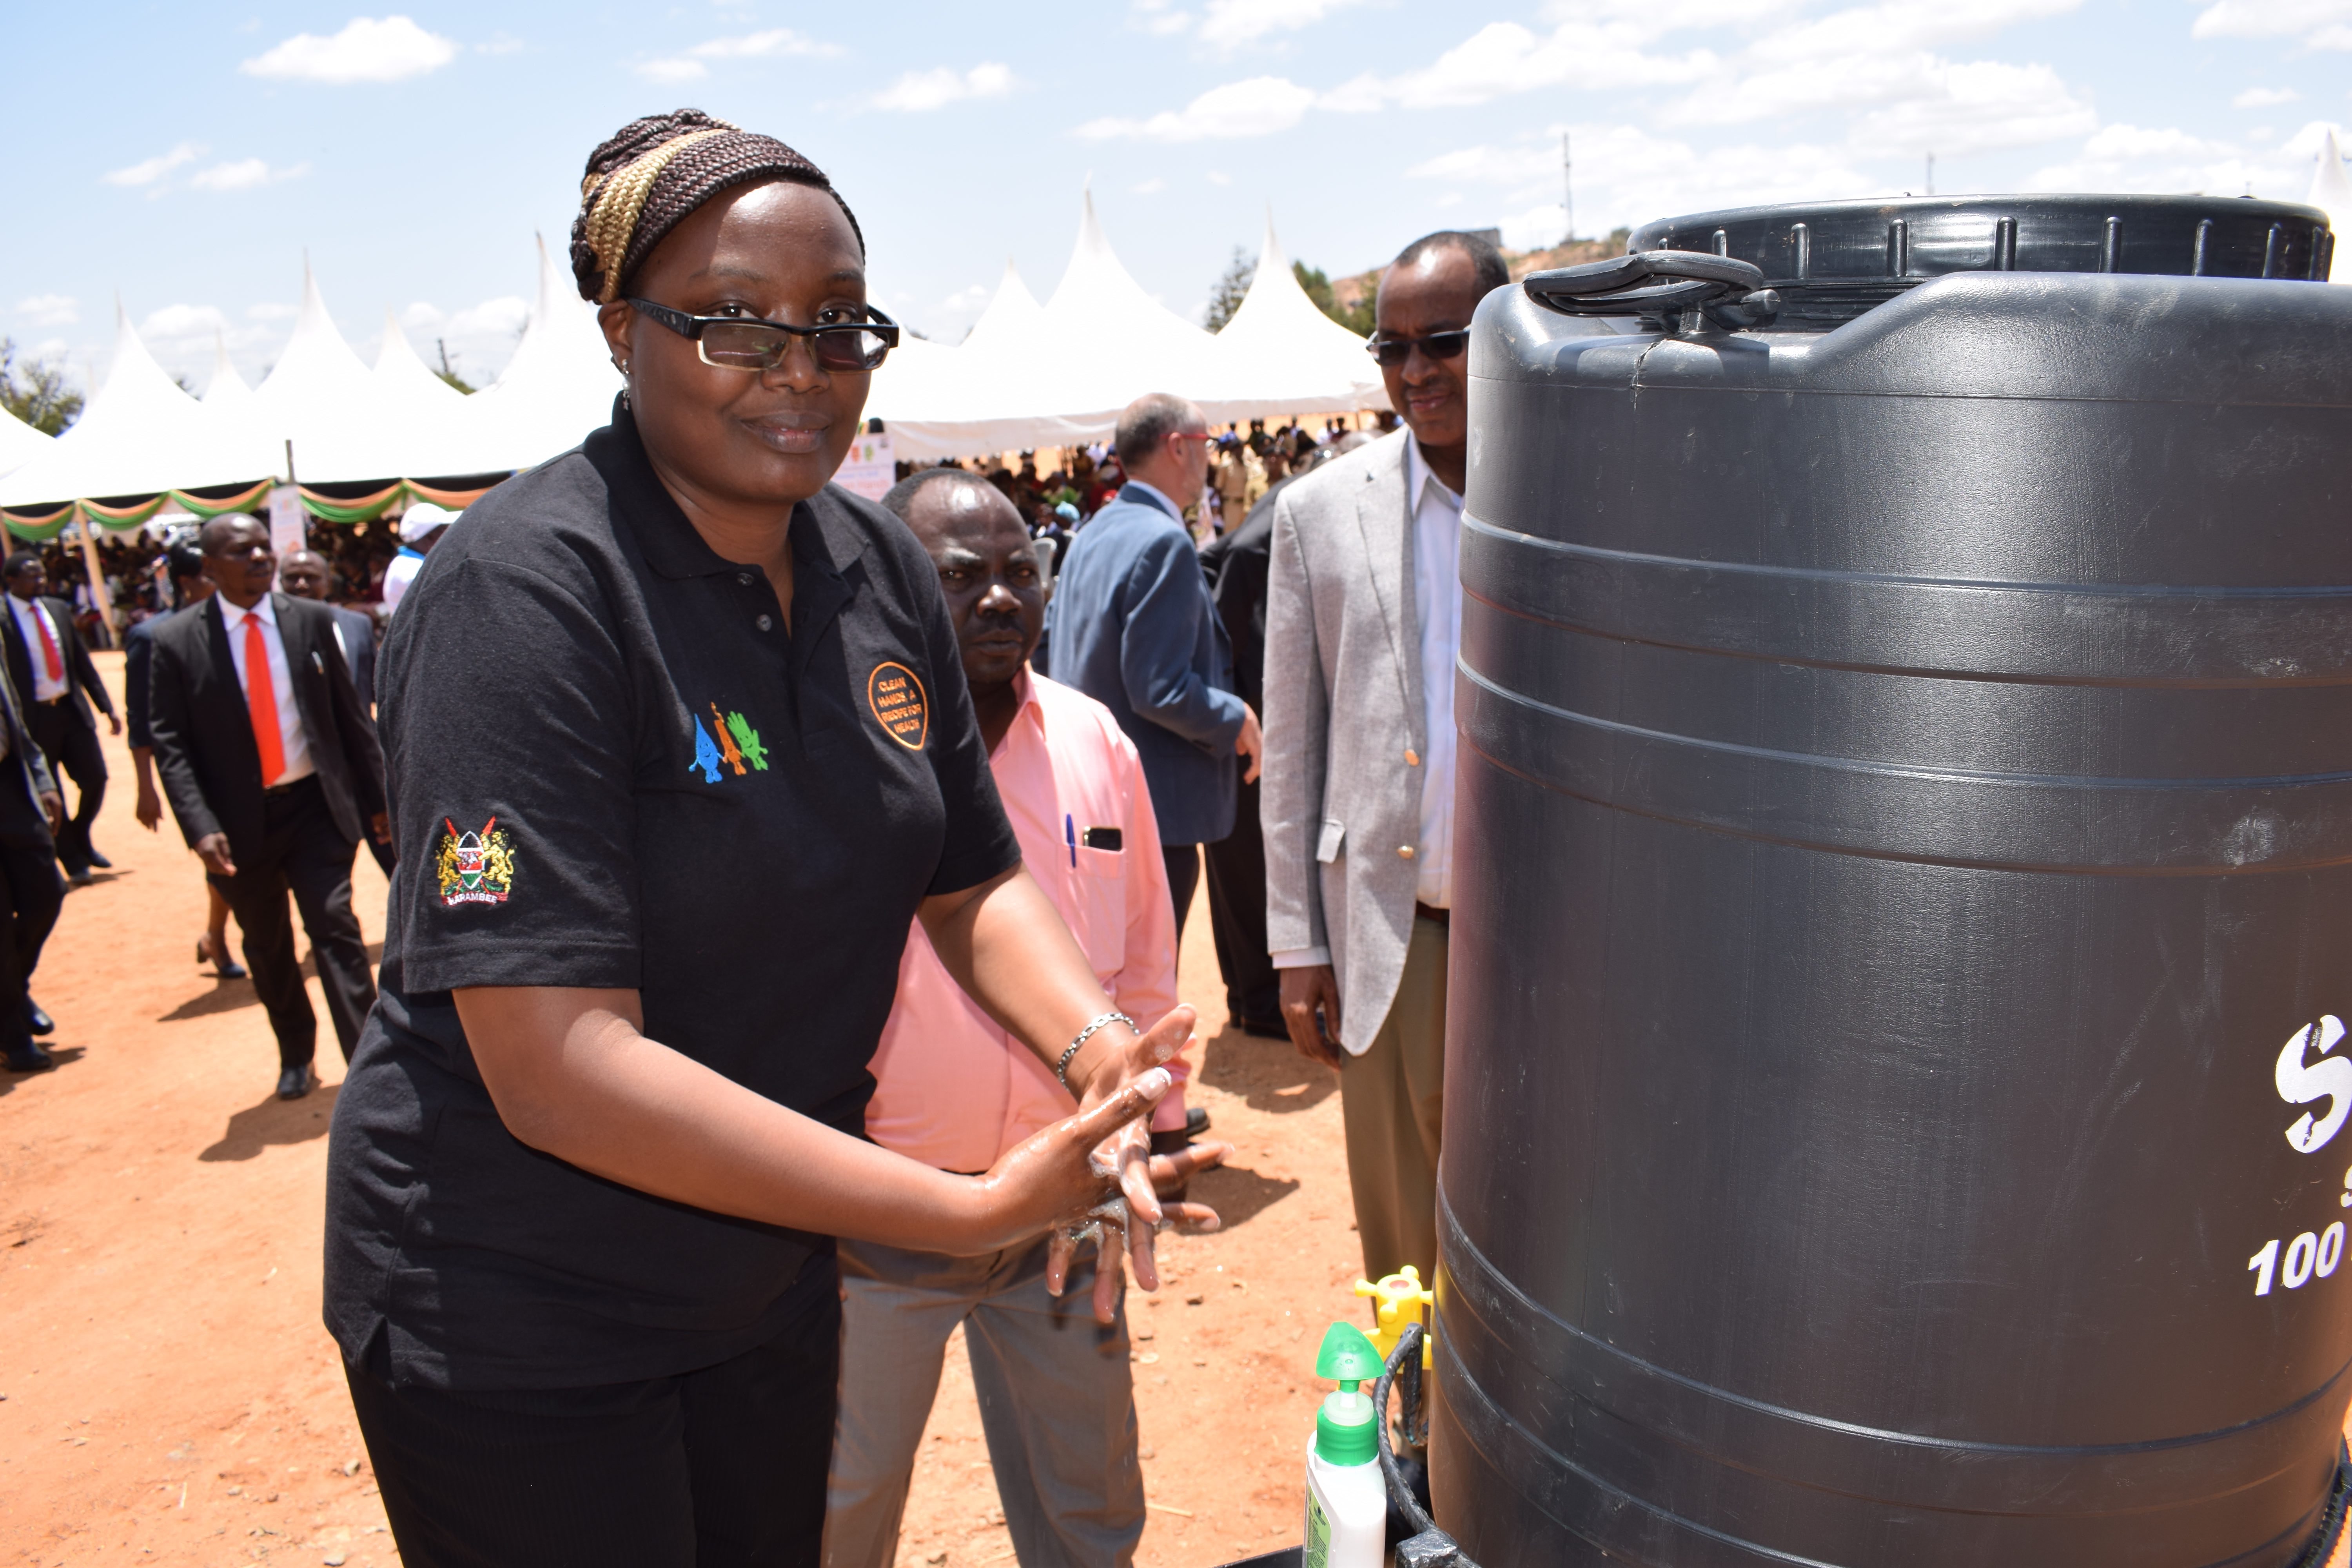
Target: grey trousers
[1056,1403]
[1392,1107]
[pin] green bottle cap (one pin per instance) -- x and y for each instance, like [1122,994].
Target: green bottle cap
[1344,1425]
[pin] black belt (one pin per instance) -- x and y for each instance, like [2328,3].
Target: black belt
[308,781]
[52,702]
[1431,912]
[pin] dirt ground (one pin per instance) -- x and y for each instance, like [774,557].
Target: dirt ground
[168,1395]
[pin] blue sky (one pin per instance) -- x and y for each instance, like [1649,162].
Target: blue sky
[186,157]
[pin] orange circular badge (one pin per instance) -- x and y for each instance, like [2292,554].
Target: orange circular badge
[897,698]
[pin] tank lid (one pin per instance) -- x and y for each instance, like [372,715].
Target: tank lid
[1830,262]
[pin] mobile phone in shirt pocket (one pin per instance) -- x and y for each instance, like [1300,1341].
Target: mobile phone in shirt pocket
[1099,919]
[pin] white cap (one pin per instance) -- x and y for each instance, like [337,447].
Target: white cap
[422,519]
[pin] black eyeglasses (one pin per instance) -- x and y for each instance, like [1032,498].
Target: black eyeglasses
[1394,352]
[747,342]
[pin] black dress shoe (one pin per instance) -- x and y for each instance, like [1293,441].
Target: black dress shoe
[80,878]
[1266,1028]
[295,1082]
[40,1023]
[1196,1121]
[100,861]
[32,1058]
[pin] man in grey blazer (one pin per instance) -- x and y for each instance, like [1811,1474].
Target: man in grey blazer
[1363,618]
[1132,626]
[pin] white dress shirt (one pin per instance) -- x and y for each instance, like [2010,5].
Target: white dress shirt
[293,744]
[32,619]
[1437,606]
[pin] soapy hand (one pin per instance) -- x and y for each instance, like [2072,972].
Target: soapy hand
[1131,1206]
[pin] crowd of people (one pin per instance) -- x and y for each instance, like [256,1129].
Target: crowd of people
[780,966]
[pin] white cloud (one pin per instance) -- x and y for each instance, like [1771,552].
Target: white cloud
[2319,24]
[423,315]
[272,310]
[1229,24]
[501,316]
[1158,18]
[2157,158]
[966,301]
[148,171]
[2265,98]
[366,49]
[1975,106]
[1504,57]
[1625,175]
[50,310]
[500,44]
[1150,187]
[1218,177]
[1255,107]
[181,322]
[776,43]
[243,174]
[918,91]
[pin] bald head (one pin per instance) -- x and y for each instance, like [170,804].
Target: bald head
[988,570]
[304,574]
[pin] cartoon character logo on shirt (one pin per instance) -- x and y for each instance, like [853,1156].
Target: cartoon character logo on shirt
[895,696]
[737,745]
[474,867]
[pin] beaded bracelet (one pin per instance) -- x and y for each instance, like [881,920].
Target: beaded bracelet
[1061,1068]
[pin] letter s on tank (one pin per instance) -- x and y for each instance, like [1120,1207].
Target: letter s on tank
[2302,1083]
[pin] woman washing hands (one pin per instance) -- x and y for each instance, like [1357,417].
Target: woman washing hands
[677,745]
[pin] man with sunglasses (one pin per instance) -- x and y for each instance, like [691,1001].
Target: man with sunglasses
[1358,803]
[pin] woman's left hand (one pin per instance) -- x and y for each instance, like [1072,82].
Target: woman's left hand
[1135,1211]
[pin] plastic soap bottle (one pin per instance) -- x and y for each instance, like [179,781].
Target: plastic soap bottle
[1346,1503]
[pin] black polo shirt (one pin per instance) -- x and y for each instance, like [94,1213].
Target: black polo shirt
[611,765]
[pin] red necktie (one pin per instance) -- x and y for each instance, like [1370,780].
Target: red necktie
[48,647]
[261,700]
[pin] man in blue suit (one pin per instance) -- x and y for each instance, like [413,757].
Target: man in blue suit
[1132,626]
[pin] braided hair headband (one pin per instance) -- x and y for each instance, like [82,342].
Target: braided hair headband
[612,219]
[652,173]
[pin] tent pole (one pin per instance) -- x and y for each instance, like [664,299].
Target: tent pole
[97,593]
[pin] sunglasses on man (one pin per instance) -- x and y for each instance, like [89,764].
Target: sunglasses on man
[1392,352]
[747,342]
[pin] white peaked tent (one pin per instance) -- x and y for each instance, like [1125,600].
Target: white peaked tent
[1057,374]
[321,399]
[559,386]
[19,443]
[404,381]
[227,390]
[942,402]
[138,435]
[1281,354]
[2331,191]
[1107,341]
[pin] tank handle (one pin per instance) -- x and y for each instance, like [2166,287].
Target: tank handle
[1662,283]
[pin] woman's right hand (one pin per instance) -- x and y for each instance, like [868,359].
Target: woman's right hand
[1063,1181]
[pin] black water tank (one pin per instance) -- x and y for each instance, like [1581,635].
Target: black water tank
[1904,896]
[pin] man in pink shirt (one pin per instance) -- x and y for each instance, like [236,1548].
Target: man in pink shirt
[952,1088]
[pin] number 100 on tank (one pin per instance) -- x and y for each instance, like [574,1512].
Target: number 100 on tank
[2307,1072]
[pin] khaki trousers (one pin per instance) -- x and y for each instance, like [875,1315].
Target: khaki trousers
[1392,1103]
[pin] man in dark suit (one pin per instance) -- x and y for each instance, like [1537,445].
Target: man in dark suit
[56,684]
[273,771]
[304,575]
[185,565]
[30,891]
[1132,627]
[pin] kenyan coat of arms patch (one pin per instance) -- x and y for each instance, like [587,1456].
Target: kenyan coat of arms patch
[474,867]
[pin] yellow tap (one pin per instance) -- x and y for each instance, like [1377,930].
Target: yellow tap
[1397,1300]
